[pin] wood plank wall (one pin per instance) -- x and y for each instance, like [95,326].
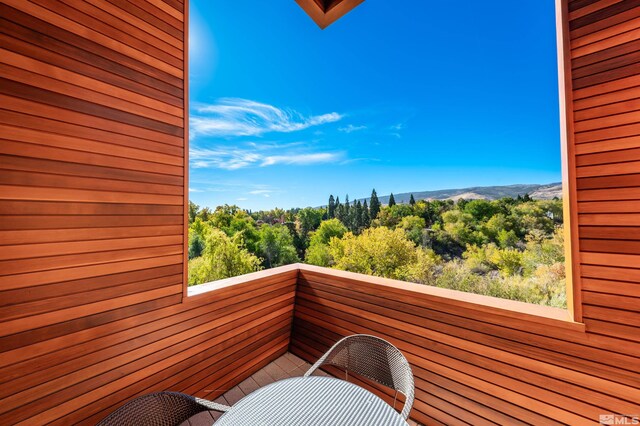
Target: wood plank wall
[92,189]
[483,369]
[605,66]
[91,241]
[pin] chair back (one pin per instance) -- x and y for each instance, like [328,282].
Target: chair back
[159,409]
[375,359]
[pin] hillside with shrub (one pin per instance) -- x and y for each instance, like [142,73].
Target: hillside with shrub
[511,248]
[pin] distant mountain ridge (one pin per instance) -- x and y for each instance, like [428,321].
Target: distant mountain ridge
[535,191]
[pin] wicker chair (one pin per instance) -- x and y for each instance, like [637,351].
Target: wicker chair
[375,359]
[159,409]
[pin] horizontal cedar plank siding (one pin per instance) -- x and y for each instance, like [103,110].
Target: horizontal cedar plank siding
[605,59]
[92,226]
[539,375]
[478,369]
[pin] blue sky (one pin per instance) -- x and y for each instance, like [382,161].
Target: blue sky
[410,96]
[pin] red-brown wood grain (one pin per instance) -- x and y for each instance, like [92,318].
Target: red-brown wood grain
[93,188]
[93,150]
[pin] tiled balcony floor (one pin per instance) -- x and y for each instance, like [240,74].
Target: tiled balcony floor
[288,365]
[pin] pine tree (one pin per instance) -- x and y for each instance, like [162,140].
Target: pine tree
[412,200]
[374,205]
[392,201]
[341,215]
[351,217]
[366,218]
[339,212]
[346,207]
[359,222]
[331,208]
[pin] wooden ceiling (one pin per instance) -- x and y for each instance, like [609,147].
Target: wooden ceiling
[326,12]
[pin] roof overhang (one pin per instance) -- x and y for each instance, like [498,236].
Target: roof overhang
[326,12]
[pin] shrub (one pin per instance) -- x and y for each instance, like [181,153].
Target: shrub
[377,251]
[222,257]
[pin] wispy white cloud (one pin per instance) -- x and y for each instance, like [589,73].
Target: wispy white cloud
[195,190]
[222,158]
[242,199]
[257,156]
[396,129]
[243,117]
[264,192]
[265,146]
[358,160]
[301,159]
[349,128]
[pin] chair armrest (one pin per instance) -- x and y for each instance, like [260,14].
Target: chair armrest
[212,405]
[314,367]
[319,362]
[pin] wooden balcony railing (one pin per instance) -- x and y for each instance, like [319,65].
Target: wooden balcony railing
[473,362]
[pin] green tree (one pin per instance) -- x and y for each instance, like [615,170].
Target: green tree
[391,216]
[493,226]
[532,216]
[351,217]
[319,255]
[508,261]
[222,257]
[308,220]
[481,210]
[366,218]
[414,227]
[424,270]
[430,211]
[243,226]
[542,250]
[200,226]
[192,211]
[328,229]
[196,244]
[377,251]
[374,205]
[358,216]
[392,200]
[204,214]
[412,200]
[507,239]
[298,243]
[223,215]
[460,226]
[347,211]
[276,246]
[318,251]
[331,208]
[340,211]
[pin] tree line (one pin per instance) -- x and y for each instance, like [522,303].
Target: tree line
[511,248]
